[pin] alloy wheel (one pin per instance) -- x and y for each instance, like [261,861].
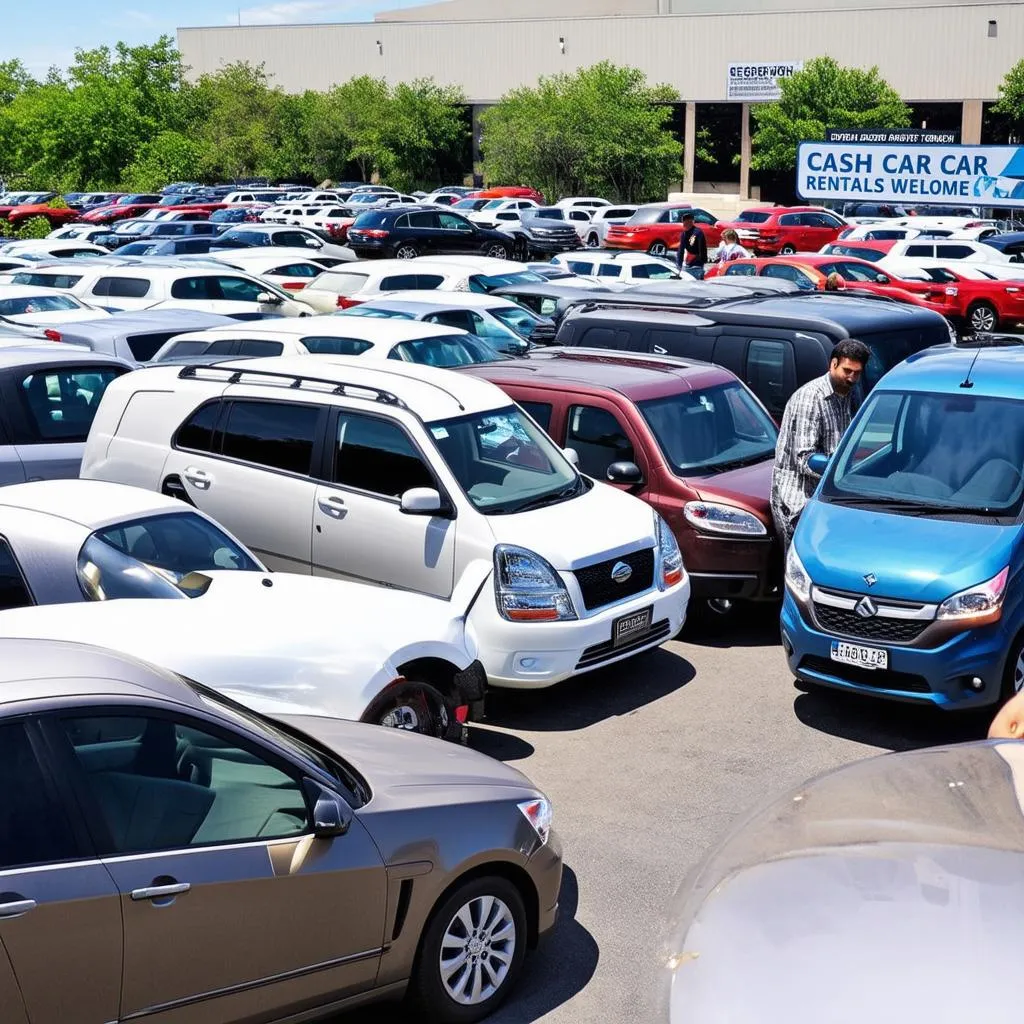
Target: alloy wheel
[983,318]
[477,950]
[657,249]
[406,252]
[1018,672]
[414,711]
[497,252]
[787,250]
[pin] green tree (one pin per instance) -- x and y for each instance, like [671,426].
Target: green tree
[169,156]
[425,125]
[1011,93]
[822,95]
[602,131]
[14,80]
[360,110]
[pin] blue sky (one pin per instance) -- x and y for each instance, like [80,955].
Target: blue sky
[46,32]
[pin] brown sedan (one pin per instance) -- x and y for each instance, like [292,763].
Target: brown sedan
[170,856]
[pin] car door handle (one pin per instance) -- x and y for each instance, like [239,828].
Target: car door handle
[198,477]
[333,507]
[16,907]
[157,892]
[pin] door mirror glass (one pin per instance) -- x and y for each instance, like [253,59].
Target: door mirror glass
[818,463]
[313,243]
[571,456]
[268,299]
[420,501]
[881,279]
[624,473]
[331,815]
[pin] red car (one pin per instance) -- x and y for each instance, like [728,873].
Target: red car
[655,228]
[809,272]
[57,216]
[983,303]
[775,230]
[509,192]
[133,205]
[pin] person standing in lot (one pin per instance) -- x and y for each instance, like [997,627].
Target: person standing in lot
[815,419]
[730,249]
[693,248]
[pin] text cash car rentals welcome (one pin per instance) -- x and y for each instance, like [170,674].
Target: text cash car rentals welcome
[835,170]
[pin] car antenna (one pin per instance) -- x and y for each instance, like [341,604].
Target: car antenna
[967,382]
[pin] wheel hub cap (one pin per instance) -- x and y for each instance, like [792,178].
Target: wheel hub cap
[402,717]
[477,950]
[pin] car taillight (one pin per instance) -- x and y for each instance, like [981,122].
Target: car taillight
[294,286]
[344,302]
[374,233]
[974,224]
[53,335]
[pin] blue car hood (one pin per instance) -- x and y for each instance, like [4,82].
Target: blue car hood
[912,559]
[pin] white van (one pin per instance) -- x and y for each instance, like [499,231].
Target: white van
[410,477]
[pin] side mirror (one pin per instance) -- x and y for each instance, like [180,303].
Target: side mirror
[881,279]
[818,463]
[269,299]
[624,473]
[571,456]
[421,501]
[332,816]
[313,243]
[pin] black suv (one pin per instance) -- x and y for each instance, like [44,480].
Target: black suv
[543,232]
[408,231]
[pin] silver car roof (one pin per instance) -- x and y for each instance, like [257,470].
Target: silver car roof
[42,355]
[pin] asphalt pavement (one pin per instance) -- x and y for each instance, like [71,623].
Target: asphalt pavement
[646,764]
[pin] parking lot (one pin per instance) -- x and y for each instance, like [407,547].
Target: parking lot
[646,763]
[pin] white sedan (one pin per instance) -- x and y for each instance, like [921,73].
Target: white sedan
[94,555]
[26,305]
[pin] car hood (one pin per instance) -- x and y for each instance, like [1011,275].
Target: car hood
[304,644]
[750,486]
[912,559]
[603,523]
[892,888]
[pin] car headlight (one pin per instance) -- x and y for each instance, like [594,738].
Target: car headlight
[977,605]
[796,575]
[527,588]
[672,570]
[538,813]
[715,517]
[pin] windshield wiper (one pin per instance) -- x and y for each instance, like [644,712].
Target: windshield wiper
[751,460]
[551,498]
[912,508]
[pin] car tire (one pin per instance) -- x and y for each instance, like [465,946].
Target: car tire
[787,250]
[657,249]
[415,707]
[406,251]
[493,906]
[496,251]
[593,242]
[982,317]
[1013,672]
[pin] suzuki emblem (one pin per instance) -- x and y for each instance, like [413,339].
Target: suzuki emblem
[866,608]
[871,579]
[621,572]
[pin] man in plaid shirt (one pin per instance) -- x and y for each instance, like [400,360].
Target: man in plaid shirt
[815,419]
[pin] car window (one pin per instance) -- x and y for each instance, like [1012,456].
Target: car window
[453,222]
[580,266]
[33,826]
[953,252]
[187,348]
[788,273]
[460,319]
[144,346]
[258,347]
[44,303]
[61,404]
[446,351]
[770,373]
[789,220]
[598,438]
[422,220]
[856,272]
[46,280]
[197,432]
[290,238]
[162,784]
[651,272]
[14,592]
[740,270]
[340,283]
[195,288]
[238,289]
[376,455]
[295,270]
[411,282]
[124,287]
[615,212]
[920,250]
[333,346]
[279,435]
[540,411]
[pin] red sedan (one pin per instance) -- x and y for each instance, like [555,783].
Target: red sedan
[509,192]
[772,230]
[127,206]
[57,216]
[982,302]
[655,228]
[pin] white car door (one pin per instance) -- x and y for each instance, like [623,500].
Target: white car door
[359,529]
[230,295]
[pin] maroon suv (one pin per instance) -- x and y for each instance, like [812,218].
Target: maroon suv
[687,437]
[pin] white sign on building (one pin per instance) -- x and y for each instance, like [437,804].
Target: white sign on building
[758,83]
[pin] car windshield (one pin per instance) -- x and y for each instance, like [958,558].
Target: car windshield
[752,217]
[447,351]
[488,282]
[517,318]
[861,252]
[373,311]
[471,204]
[504,462]
[647,215]
[151,556]
[36,304]
[371,219]
[920,453]
[710,430]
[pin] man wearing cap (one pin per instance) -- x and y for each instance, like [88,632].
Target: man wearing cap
[693,248]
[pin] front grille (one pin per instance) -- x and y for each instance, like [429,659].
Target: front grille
[592,656]
[598,588]
[849,623]
[881,679]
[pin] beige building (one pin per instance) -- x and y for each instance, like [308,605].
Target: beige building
[947,57]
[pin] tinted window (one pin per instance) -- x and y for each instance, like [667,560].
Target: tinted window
[753,217]
[273,434]
[954,252]
[238,289]
[37,304]
[446,351]
[540,411]
[208,789]
[144,346]
[789,220]
[740,270]
[376,455]
[61,404]
[452,221]
[598,438]
[188,348]
[920,250]
[460,319]
[422,220]
[33,828]
[769,373]
[125,287]
[599,337]
[788,273]
[195,288]
[47,280]
[580,266]
[196,432]
[291,238]
[328,346]
[608,270]
[259,347]
[295,270]
[14,591]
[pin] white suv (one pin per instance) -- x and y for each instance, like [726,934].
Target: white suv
[410,477]
[618,265]
[595,230]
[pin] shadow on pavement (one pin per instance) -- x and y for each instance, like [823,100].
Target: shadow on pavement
[592,697]
[889,725]
[502,746]
[562,966]
[747,625]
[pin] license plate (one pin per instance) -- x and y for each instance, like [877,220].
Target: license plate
[630,626]
[862,657]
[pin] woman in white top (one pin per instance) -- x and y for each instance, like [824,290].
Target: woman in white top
[730,248]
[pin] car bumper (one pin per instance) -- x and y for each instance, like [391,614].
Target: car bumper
[545,246]
[938,676]
[369,250]
[738,570]
[545,868]
[533,655]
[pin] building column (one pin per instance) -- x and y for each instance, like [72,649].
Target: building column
[970,125]
[689,147]
[745,151]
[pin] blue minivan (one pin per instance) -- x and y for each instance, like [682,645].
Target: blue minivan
[904,578]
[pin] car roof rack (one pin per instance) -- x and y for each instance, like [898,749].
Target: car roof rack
[234,375]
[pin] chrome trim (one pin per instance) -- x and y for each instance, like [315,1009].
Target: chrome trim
[887,609]
[273,979]
[155,892]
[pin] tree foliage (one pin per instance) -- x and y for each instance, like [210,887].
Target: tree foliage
[601,131]
[1011,93]
[822,95]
